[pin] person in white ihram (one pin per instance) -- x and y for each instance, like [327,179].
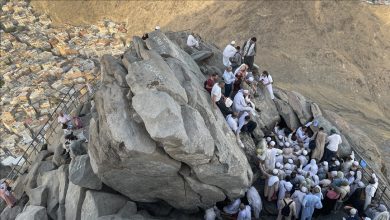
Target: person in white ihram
[267,81]
[254,201]
[228,52]
[245,212]
[240,104]
[192,42]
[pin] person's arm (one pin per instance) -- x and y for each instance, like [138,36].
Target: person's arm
[358,176]
[213,98]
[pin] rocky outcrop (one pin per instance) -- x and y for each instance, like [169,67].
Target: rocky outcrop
[97,204]
[81,173]
[33,213]
[158,137]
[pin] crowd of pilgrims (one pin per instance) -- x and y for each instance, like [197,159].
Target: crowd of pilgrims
[302,171]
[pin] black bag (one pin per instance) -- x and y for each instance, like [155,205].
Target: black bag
[286,209]
[9,188]
[312,144]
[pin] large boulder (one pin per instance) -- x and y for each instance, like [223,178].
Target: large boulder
[81,173]
[36,170]
[288,114]
[98,204]
[73,202]
[146,134]
[33,213]
[38,196]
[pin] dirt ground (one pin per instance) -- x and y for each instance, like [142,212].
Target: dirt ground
[334,52]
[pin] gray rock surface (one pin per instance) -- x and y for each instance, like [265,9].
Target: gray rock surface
[201,55]
[11,213]
[158,126]
[97,204]
[73,202]
[38,196]
[288,114]
[81,173]
[33,213]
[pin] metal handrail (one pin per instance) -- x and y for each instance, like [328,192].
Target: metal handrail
[47,130]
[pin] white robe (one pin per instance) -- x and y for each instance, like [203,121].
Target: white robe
[210,214]
[245,214]
[271,157]
[297,197]
[233,207]
[228,52]
[192,42]
[370,193]
[266,80]
[284,186]
[254,201]
[239,102]
[311,167]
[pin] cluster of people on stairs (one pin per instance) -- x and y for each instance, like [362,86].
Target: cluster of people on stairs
[303,174]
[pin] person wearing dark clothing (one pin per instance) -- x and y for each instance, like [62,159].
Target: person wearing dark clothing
[249,52]
[236,60]
[209,83]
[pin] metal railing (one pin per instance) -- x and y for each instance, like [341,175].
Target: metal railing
[71,99]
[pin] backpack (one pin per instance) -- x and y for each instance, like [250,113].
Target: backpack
[312,144]
[286,209]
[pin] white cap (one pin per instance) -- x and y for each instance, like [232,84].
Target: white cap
[272,143]
[233,43]
[325,163]
[278,165]
[250,79]
[355,163]
[337,163]
[304,152]
[367,218]
[157,28]
[333,173]
[281,144]
[287,166]
[304,189]
[275,171]
[299,170]
[268,139]
[290,161]
[361,184]
[287,144]
[352,173]
[353,211]
[280,136]
[245,91]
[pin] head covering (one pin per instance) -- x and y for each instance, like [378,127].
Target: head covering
[303,189]
[275,171]
[290,161]
[333,173]
[268,139]
[281,144]
[382,208]
[278,165]
[250,79]
[272,143]
[355,163]
[317,189]
[325,163]
[353,211]
[367,218]
[352,173]
[233,42]
[337,163]
[333,131]
[299,170]
[245,91]
[286,144]
[228,102]
[157,28]
[280,136]
[304,152]
[340,174]
[287,166]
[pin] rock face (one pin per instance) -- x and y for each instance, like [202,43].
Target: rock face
[97,204]
[81,173]
[157,137]
[33,213]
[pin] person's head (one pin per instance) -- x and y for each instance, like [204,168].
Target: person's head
[253,39]
[293,174]
[233,43]
[333,131]
[265,73]
[247,118]
[242,206]
[353,211]
[344,183]
[234,114]
[372,181]
[272,143]
[229,69]
[238,48]
[287,195]
[287,178]
[317,189]
[214,76]
[61,114]
[157,28]
[221,84]
[275,172]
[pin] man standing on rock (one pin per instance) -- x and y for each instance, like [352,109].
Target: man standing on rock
[228,52]
[320,140]
[249,52]
[236,60]
[334,140]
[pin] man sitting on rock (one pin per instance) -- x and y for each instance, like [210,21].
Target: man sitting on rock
[239,103]
[192,42]
[209,83]
[218,99]
[65,120]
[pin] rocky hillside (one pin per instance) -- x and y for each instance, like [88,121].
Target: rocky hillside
[156,146]
[334,52]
